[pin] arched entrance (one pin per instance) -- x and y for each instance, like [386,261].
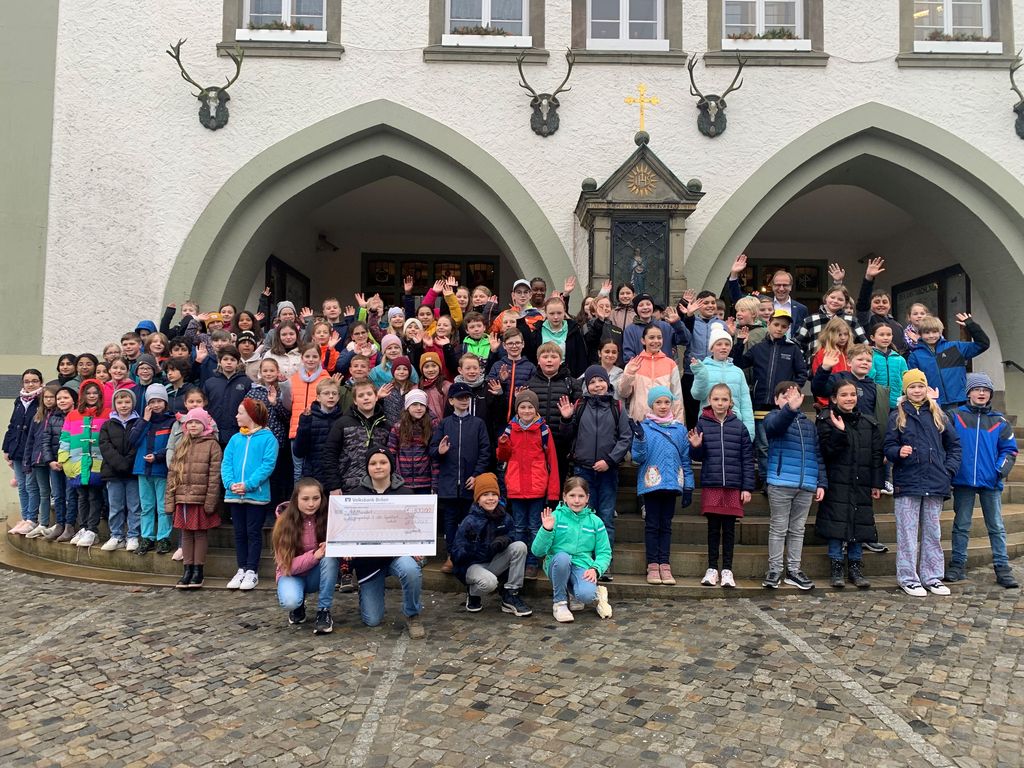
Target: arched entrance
[320,163]
[967,200]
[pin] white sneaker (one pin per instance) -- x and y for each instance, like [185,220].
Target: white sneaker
[603,609]
[133,544]
[561,612]
[576,605]
[21,528]
[249,581]
[36,532]
[87,540]
[710,578]
[728,580]
[50,531]
[938,588]
[914,590]
[76,538]
[236,582]
[111,544]
[178,555]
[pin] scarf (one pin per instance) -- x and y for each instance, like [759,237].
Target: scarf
[545,433]
[27,397]
[659,420]
[309,378]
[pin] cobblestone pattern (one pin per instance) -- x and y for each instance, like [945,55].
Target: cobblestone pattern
[113,676]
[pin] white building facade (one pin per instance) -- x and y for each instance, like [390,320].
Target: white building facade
[373,133]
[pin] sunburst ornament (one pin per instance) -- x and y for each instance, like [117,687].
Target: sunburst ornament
[642,180]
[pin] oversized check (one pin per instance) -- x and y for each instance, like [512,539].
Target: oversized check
[381,526]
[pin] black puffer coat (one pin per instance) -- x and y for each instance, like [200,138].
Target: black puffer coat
[349,443]
[548,392]
[853,464]
[726,452]
[310,441]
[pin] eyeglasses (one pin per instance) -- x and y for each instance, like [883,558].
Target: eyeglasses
[782,285]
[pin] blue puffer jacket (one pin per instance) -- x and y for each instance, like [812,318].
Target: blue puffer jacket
[988,447]
[726,452]
[151,437]
[249,459]
[473,539]
[928,470]
[469,452]
[945,366]
[663,454]
[794,460]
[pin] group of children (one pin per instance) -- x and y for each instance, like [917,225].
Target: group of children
[507,415]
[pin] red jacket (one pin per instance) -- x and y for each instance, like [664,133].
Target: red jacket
[532,471]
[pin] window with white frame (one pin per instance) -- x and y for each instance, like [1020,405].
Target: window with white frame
[766,19]
[498,18]
[626,25]
[276,19]
[952,20]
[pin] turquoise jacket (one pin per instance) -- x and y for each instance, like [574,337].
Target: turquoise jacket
[249,459]
[582,535]
[887,371]
[710,372]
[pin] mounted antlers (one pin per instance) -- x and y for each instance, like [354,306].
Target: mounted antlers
[1019,106]
[213,112]
[711,121]
[544,120]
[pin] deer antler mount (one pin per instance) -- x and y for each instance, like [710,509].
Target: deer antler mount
[213,100]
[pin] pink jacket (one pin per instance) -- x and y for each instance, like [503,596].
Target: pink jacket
[653,370]
[306,561]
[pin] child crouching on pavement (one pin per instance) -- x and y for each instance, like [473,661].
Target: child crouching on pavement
[574,544]
[485,550]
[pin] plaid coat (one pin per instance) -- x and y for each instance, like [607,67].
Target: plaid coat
[807,335]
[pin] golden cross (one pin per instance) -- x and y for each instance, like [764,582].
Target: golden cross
[642,99]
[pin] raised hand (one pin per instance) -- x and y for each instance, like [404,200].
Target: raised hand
[633,366]
[837,421]
[794,398]
[452,282]
[569,285]
[837,273]
[444,445]
[670,316]
[738,266]
[494,386]
[962,318]
[204,316]
[696,438]
[830,359]
[266,291]
[385,390]
[493,342]
[565,406]
[360,300]
[407,284]
[913,335]
[606,287]
[305,313]
[202,353]
[689,296]
[438,286]
[448,287]
[547,519]
[334,340]
[933,394]
[414,334]
[743,332]
[730,325]
[504,373]
[694,363]
[876,266]
[260,316]
[337,377]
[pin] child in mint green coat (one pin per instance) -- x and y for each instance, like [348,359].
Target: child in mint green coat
[718,368]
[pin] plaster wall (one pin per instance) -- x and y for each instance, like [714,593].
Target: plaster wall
[132,169]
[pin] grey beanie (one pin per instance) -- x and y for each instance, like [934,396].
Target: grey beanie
[285,305]
[980,380]
[156,392]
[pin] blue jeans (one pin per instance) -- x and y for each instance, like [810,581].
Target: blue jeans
[963,511]
[65,499]
[28,492]
[292,590]
[526,518]
[41,477]
[854,550]
[371,591]
[566,577]
[604,488]
[156,521]
[298,465]
[123,496]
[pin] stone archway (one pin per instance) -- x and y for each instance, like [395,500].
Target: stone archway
[344,152]
[969,201]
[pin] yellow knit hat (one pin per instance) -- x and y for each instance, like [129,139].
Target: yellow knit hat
[914,376]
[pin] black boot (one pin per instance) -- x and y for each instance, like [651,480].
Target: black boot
[856,575]
[186,577]
[1004,577]
[145,546]
[837,574]
[197,577]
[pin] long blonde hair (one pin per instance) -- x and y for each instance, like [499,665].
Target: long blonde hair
[829,336]
[937,415]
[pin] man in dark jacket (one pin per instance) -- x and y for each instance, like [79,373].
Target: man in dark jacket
[226,389]
[352,438]
[485,549]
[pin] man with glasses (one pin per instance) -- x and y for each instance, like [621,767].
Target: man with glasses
[781,285]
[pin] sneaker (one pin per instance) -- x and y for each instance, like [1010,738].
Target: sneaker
[132,544]
[111,544]
[21,528]
[666,574]
[873,546]
[346,579]
[87,540]
[236,581]
[512,603]
[53,533]
[653,573]
[297,615]
[1004,577]
[727,580]
[76,538]
[887,488]
[37,532]
[914,590]
[66,535]
[955,572]
[604,610]
[163,546]
[249,581]
[323,624]
[938,588]
[415,627]
[772,580]
[710,578]
[178,554]
[606,578]
[145,546]
[531,572]
[474,603]
[561,612]
[799,580]
[574,604]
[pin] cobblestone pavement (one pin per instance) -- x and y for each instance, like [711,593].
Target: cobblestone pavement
[114,676]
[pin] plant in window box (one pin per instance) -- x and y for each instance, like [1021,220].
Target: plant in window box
[959,37]
[772,39]
[280,26]
[490,31]
[961,42]
[777,33]
[485,36]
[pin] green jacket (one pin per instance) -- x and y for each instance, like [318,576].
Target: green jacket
[582,535]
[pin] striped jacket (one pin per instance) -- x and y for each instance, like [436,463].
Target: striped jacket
[79,450]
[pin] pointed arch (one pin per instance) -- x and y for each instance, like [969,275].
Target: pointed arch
[339,154]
